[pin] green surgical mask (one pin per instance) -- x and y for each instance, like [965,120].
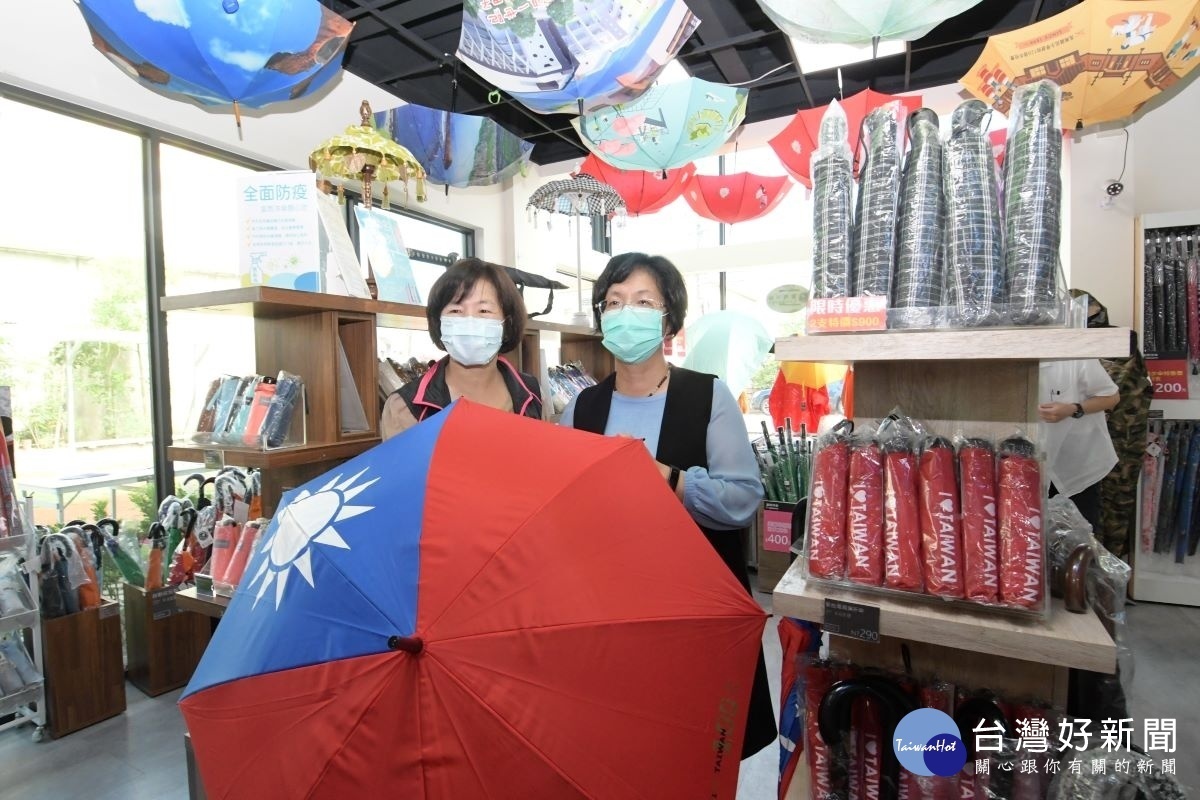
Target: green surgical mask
[632,334]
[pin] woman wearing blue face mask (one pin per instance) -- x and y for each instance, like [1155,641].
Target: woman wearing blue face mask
[475,313]
[690,422]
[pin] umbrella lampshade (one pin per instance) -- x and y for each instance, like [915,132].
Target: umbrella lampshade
[668,126]
[861,21]
[216,53]
[366,154]
[738,197]
[728,344]
[456,149]
[794,145]
[428,622]
[571,56]
[1109,57]
[644,192]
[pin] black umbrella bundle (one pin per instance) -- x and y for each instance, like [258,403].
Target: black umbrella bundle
[921,224]
[1170,307]
[833,189]
[878,192]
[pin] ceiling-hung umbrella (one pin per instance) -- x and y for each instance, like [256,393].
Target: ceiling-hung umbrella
[580,196]
[737,197]
[571,56]
[1109,57]
[666,127]
[644,192]
[427,622]
[728,344]
[795,144]
[217,53]
[456,149]
[364,153]
[860,21]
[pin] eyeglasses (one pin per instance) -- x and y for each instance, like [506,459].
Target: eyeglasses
[606,306]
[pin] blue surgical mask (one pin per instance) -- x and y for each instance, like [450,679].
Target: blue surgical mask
[632,334]
[472,341]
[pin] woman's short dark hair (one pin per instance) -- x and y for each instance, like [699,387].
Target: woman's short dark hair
[666,275]
[457,282]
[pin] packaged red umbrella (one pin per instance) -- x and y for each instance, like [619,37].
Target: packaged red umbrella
[941,537]
[819,677]
[1022,551]
[864,512]
[868,739]
[902,527]
[827,508]
[939,695]
[977,485]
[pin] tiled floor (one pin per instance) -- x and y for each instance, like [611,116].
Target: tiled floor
[140,754]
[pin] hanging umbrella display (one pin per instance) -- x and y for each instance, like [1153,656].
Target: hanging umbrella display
[728,344]
[580,196]
[666,127]
[738,197]
[797,142]
[860,21]
[806,391]
[219,53]
[1109,57]
[571,56]
[456,149]
[525,658]
[364,153]
[644,192]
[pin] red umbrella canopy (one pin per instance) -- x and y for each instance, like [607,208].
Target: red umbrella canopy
[795,144]
[643,192]
[737,197]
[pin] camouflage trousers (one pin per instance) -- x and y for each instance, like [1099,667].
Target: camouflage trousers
[1118,505]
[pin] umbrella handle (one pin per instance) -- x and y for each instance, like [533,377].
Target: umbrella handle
[833,719]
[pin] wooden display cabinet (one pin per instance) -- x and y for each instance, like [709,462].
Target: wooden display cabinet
[163,643]
[85,676]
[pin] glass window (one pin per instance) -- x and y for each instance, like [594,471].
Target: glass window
[674,228]
[788,220]
[73,334]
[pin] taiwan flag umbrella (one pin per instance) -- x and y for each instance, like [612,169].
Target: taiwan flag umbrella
[464,611]
[669,126]
[571,56]
[222,52]
[456,149]
[794,145]
[643,192]
[734,198]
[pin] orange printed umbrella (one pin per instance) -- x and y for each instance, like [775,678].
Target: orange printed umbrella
[1109,57]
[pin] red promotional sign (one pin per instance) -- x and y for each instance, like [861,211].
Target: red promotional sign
[846,314]
[777,527]
[1170,378]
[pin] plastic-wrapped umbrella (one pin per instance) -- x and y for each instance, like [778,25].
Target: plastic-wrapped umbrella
[364,153]
[580,196]
[878,193]
[129,566]
[921,225]
[571,56]
[217,53]
[456,149]
[728,344]
[668,126]
[833,188]
[643,191]
[738,197]
[861,21]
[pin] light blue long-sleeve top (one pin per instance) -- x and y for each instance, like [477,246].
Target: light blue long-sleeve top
[726,495]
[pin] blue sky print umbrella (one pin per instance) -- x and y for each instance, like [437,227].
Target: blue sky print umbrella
[456,149]
[251,53]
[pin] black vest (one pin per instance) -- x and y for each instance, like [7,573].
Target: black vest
[683,443]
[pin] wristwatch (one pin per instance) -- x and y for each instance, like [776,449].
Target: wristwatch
[673,478]
[1078,411]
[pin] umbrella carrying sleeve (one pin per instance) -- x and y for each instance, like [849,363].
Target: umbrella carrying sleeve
[879,186]
[977,488]
[819,677]
[922,219]
[833,186]
[1022,551]
[827,509]
[902,526]
[1033,204]
[941,535]
[974,241]
[864,512]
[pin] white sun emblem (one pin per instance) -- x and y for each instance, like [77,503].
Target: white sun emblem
[308,518]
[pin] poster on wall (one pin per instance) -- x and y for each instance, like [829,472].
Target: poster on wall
[384,246]
[279,242]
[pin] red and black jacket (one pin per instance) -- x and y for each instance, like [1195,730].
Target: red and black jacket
[430,395]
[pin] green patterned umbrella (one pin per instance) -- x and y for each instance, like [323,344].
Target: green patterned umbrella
[366,154]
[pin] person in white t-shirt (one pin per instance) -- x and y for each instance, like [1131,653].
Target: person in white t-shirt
[1079,453]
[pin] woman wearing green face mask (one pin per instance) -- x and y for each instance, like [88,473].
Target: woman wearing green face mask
[690,422]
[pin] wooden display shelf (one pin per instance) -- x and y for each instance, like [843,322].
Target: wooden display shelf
[983,344]
[269,301]
[313,453]
[210,605]
[1065,640]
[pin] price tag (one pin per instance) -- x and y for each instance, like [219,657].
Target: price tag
[853,620]
[109,610]
[162,602]
[214,459]
[1170,378]
[846,314]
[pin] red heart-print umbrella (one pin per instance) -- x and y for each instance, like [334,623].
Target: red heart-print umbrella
[644,192]
[735,198]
